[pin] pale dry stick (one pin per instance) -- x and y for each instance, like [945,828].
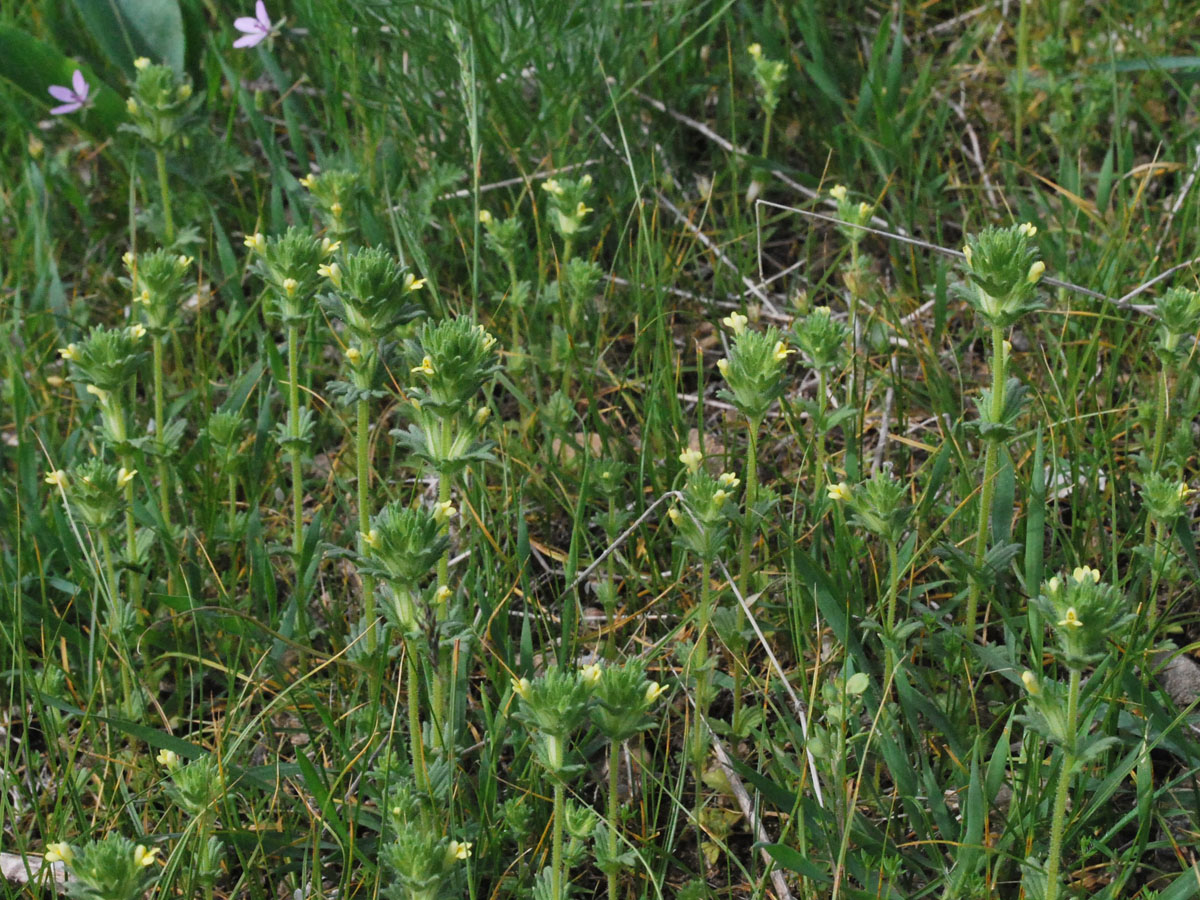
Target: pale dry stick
[526,180]
[715,250]
[884,426]
[1179,199]
[24,868]
[797,706]
[951,24]
[975,153]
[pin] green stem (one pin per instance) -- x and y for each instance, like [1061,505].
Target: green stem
[415,742]
[232,514]
[160,461]
[1022,65]
[134,581]
[990,464]
[700,654]
[1160,419]
[556,861]
[297,473]
[892,596]
[1058,822]
[160,160]
[614,755]
[441,680]
[749,529]
[110,574]
[822,387]
[363,477]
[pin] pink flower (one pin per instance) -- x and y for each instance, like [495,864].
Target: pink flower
[256,30]
[73,98]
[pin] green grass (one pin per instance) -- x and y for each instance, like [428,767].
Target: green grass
[939,783]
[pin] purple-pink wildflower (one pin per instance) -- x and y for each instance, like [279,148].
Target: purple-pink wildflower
[72,98]
[256,30]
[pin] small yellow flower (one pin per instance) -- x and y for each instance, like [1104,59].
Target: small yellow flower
[1035,272]
[838,192]
[551,186]
[124,476]
[59,851]
[1071,620]
[673,515]
[371,538]
[335,209]
[755,51]
[654,690]
[69,352]
[256,242]
[781,351]
[1027,228]
[99,393]
[1052,585]
[582,210]
[521,687]
[413,283]
[839,491]
[55,381]
[58,478]
[128,259]
[185,91]
[143,857]
[1184,490]
[967,253]
[332,271]
[590,674]
[309,181]
[143,297]
[735,322]
[864,211]
[444,511]
[442,594]
[720,496]
[168,758]
[585,181]
[691,459]
[1031,683]
[183,260]
[482,415]
[723,367]
[328,247]
[1083,573]
[131,106]
[416,404]
[459,850]
[353,356]
[137,331]
[485,217]
[425,368]
[728,480]
[488,340]
[290,286]
[141,63]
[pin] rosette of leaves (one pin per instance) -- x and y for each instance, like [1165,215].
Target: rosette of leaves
[108,358]
[1002,269]
[624,698]
[753,372]
[552,707]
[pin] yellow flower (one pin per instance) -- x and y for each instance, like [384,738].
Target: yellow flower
[143,297]
[256,242]
[58,478]
[124,476]
[444,511]
[183,260]
[309,181]
[137,331]
[735,322]
[488,341]
[1071,620]
[839,491]
[141,63]
[729,480]
[128,259]
[755,51]
[332,271]
[521,686]
[485,217]
[59,851]
[99,393]
[838,192]
[353,356]
[482,415]
[723,367]
[1184,490]
[720,496]
[1083,573]
[143,857]
[551,186]
[168,758]
[185,91]
[1027,228]
[673,515]
[442,594]
[1052,585]
[591,674]
[654,690]
[371,538]
[69,352]
[328,247]
[426,366]
[1031,683]
[412,282]
[781,351]
[1035,272]
[335,209]
[864,210]
[582,210]
[967,253]
[459,850]
[131,106]
[691,459]
[290,286]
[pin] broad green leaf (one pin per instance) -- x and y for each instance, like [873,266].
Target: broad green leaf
[127,29]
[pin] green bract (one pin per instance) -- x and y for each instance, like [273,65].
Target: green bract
[333,194]
[624,699]
[403,546]
[196,787]
[371,295]
[1084,614]
[1164,498]
[107,358]
[702,527]
[159,283]
[753,371]
[1178,317]
[1003,270]
[821,339]
[553,706]
[289,264]
[879,506]
[95,491]
[159,103]
[112,868]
